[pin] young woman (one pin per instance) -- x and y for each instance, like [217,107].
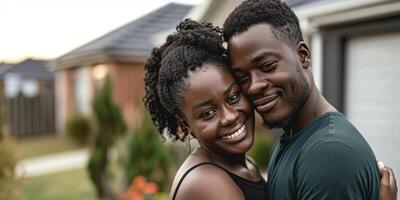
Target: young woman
[191,93]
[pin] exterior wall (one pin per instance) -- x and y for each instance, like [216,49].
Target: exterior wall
[64,97]
[218,11]
[128,90]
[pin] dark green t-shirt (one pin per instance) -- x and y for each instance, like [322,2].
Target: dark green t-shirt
[328,159]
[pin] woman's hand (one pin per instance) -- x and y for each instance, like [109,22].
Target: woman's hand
[388,185]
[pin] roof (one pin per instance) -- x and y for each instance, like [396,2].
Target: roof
[131,42]
[5,67]
[32,68]
[297,3]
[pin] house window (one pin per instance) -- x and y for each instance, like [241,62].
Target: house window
[12,85]
[30,87]
[82,90]
[99,73]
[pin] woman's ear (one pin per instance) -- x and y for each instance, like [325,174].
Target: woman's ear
[184,128]
[304,54]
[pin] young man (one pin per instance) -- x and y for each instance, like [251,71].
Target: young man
[320,155]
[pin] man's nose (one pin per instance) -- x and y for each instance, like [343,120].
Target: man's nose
[257,85]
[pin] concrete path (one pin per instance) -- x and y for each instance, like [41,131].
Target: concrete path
[52,163]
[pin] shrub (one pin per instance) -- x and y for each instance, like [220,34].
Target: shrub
[9,184]
[110,125]
[78,128]
[148,156]
[262,147]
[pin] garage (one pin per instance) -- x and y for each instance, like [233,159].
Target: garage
[372,92]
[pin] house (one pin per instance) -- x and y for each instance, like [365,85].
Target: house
[27,91]
[121,55]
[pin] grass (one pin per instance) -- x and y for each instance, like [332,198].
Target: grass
[71,185]
[42,145]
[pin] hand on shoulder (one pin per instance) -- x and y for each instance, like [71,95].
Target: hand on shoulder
[388,185]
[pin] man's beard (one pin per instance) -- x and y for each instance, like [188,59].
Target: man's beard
[304,89]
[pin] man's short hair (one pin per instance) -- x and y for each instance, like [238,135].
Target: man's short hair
[278,14]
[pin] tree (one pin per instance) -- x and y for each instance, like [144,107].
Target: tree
[110,125]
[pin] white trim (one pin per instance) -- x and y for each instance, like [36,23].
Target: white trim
[316,59]
[198,12]
[315,15]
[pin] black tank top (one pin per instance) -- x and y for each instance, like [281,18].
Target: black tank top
[252,190]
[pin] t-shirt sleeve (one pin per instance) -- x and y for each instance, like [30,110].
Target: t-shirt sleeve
[331,170]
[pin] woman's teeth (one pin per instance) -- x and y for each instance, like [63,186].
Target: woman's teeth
[235,134]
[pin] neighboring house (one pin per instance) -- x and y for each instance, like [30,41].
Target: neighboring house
[355,60]
[121,54]
[3,68]
[27,93]
[28,78]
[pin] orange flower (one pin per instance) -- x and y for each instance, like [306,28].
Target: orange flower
[139,189]
[150,188]
[139,182]
[136,196]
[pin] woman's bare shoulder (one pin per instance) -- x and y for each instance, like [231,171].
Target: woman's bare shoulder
[206,181]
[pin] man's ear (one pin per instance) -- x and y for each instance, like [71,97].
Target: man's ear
[304,54]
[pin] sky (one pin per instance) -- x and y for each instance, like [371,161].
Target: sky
[46,29]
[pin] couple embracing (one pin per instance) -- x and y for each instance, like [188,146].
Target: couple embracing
[197,88]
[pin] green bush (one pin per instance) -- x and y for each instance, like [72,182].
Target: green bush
[262,147]
[9,184]
[78,128]
[110,125]
[148,156]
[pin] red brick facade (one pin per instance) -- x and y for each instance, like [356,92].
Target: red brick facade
[128,91]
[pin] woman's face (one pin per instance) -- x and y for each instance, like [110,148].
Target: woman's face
[216,111]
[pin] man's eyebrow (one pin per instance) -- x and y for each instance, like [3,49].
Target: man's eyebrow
[259,57]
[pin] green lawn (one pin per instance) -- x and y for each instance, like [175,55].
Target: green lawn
[71,185]
[42,145]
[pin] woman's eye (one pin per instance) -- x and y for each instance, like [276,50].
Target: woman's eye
[234,98]
[207,114]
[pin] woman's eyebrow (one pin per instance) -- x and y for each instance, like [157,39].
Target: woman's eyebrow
[229,88]
[201,104]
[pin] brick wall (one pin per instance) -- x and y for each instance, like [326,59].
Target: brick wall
[128,89]
[64,97]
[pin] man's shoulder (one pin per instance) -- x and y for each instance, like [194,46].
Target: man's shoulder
[336,130]
[337,139]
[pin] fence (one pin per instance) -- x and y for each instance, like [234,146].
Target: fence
[28,116]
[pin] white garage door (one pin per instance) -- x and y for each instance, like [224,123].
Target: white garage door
[372,96]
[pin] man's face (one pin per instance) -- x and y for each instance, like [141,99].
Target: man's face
[271,73]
